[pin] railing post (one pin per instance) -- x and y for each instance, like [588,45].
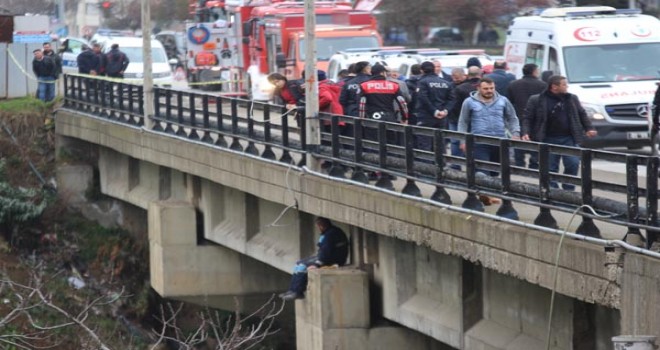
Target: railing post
[286,155]
[192,103]
[544,218]
[251,148]
[268,150]
[168,111]
[358,173]
[219,116]
[587,227]
[411,187]
[206,124]
[652,200]
[471,201]
[156,125]
[336,168]
[440,195]
[179,114]
[235,144]
[384,180]
[506,209]
[634,235]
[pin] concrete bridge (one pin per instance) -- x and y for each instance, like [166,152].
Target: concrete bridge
[230,208]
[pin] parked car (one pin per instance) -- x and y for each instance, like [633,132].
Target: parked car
[440,35]
[132,47]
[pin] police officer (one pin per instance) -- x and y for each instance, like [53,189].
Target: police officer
[434,101]
[349,93]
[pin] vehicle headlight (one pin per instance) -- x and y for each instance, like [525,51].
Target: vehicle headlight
[594,112]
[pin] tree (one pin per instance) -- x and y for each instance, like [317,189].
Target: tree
[471,15]
[32,305]
[411,16]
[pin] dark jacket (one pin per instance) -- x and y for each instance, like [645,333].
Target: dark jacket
[333,247]
[412,83]
[462,92]
[87,61]
[502,80]
[349,98]
[377,98]
[57,61]
[102,60]
[44,68]
[116,62]
[434,94]
[520,90]
[535,121]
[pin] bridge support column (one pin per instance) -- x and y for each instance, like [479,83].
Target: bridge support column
[335,315]
[181,267]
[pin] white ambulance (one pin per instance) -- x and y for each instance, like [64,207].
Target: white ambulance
[610,57]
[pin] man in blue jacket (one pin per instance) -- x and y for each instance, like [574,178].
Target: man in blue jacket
[487,113]
[333,250]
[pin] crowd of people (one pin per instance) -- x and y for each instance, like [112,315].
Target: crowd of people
[495,104]
[47,66]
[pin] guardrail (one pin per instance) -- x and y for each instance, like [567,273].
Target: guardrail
[390,149]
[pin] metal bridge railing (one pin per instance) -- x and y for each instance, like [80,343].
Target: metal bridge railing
[358,146]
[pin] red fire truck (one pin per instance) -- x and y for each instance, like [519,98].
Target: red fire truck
[257,37]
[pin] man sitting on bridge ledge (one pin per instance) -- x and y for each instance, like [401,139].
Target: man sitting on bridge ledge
[333,250]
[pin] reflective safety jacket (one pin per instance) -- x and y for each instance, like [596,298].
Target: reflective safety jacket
[377,98]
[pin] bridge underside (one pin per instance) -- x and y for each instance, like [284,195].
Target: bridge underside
[221,224]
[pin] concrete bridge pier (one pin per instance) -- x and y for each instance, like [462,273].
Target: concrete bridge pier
[335,315]
[182,268]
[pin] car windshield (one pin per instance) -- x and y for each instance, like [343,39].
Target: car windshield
[326,47]
[135,54]
[608,63]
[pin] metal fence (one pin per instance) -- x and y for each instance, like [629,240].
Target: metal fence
[390,148]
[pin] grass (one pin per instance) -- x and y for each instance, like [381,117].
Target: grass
[23,105]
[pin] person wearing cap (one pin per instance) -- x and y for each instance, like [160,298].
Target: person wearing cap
[349,92]
[378,96]
[473,61]
[434,101]
[377,99]
[487,113]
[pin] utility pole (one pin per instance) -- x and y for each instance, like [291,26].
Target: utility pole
[148,87]
[311,87]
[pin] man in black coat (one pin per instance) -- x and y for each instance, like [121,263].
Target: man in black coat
[518,92]
[45,70]
[87,61]
[412,82]
[116,62]
[557,117]
[349,98]
[434,101]
[333,250]
[501,78]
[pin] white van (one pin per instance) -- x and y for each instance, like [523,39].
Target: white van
[132,47]
[609,56]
